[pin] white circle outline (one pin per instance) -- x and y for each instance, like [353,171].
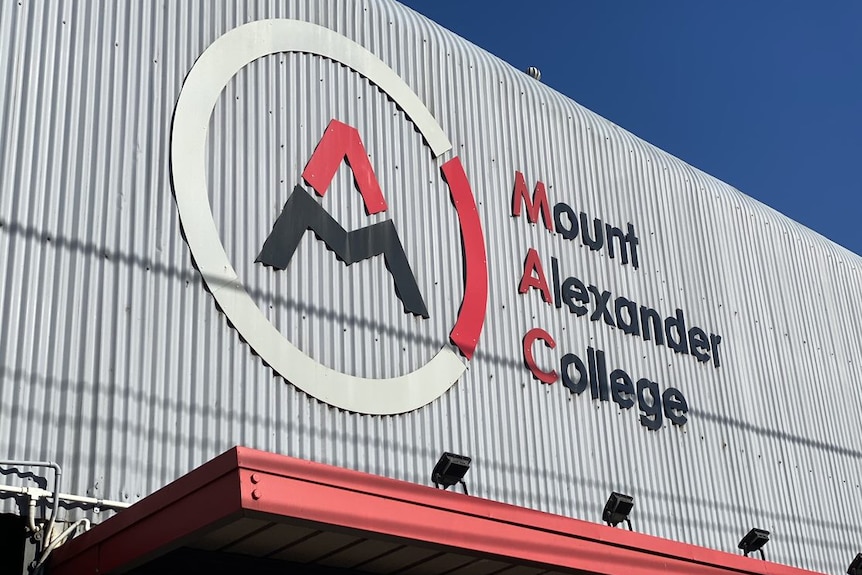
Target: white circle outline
[209,75]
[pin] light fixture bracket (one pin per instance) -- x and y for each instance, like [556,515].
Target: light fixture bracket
[617,509]
[754,540]
[450,469]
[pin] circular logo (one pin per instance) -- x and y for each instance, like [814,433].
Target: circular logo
[204,84]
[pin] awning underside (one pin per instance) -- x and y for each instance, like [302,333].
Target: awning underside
[251,511]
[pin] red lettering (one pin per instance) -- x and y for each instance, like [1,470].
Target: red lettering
[534,276]
[530,337]
[538,202]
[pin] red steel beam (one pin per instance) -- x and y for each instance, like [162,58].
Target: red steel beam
[247,482]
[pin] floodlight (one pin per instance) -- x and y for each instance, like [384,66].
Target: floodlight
[855,566]
[617,509]
[450,470]
[754,540]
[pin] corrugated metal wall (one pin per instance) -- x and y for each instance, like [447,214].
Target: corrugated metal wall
[115,362]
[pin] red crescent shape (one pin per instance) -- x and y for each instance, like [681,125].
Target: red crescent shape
[471,316]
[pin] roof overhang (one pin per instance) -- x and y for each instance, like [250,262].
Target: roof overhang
[258,506]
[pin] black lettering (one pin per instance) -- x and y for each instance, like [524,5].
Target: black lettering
[601,306]
[594,382]
[676,324]
[568,231]
[593,243]
[580,385]
[622,389]
[715,340]
[629,325]
[614,232]
[575,291]
[698,344]
[675,406]
[602,374]
[632,240]
[651,416]
[647,314]
[555,277]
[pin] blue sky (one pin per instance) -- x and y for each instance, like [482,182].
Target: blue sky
[764,95]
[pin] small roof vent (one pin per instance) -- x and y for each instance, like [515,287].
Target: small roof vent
[534,73]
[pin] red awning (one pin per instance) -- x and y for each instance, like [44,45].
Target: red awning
[254,506]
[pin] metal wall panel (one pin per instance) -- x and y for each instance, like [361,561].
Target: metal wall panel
[117,364]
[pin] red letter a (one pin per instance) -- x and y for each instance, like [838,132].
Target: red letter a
[534,276]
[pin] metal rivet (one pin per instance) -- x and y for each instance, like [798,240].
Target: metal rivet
[255,494]
[255,478]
